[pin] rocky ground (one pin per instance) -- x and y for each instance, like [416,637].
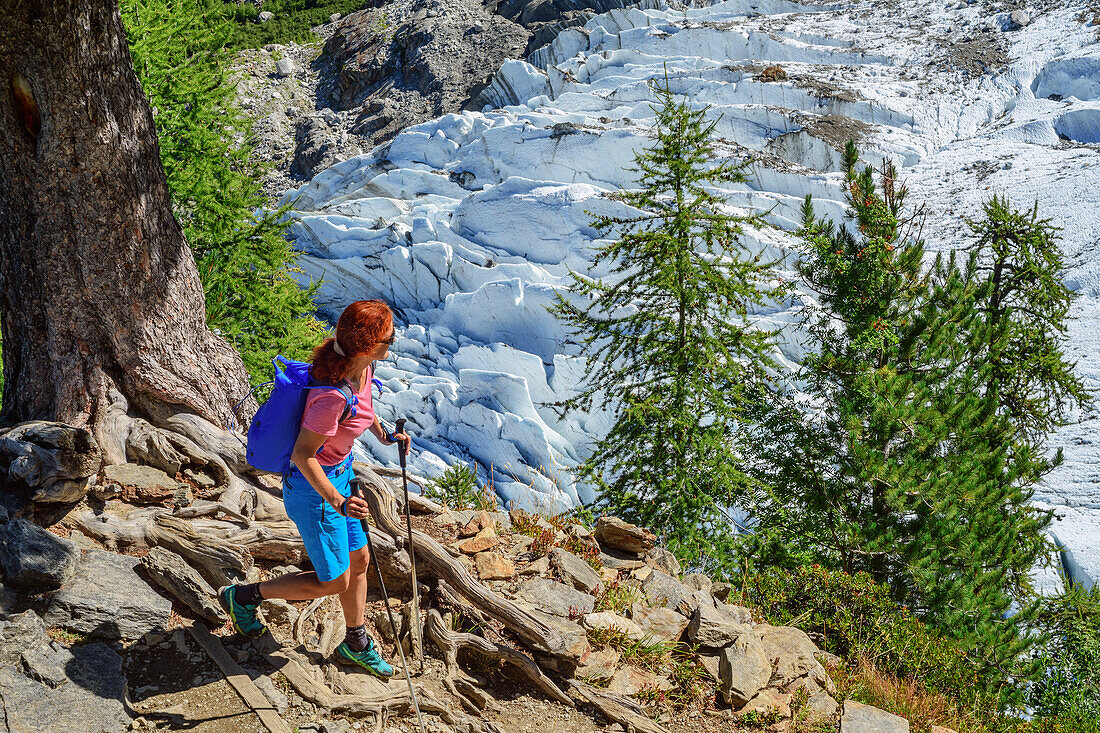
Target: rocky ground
[108,636]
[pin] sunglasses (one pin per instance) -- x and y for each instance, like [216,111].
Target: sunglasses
[390,340]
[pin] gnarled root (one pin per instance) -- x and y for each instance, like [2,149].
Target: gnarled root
[618,708]
[451,642]
[56,461]
[534,631]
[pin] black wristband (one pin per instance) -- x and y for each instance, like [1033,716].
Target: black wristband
[344,508]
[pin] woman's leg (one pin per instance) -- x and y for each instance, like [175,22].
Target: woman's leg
[354,598]
[306,586]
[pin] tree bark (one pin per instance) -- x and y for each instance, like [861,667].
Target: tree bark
[100,293]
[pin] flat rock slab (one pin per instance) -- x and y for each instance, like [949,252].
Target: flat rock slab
[83,692]
[108,599]
[555,598]
[860,718]
[143,484]
[608,621]
[34,558]
[660,624]
[623,536]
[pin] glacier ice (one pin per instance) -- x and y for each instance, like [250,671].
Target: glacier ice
[469,225]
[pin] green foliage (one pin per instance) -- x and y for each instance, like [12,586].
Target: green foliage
[457,488]
[668,343]
[291,24]
[936,392]
[1066,696]
[857,619]
[245,263]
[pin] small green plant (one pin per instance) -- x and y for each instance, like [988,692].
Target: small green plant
[546,537]
[457,489]
[691,683]
[617,597]
[760,718]
[651,694]
[644,653]
[68,637]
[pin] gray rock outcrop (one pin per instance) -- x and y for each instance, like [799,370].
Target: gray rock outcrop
[555,598]
[172,573]
[860,718]
[34,558]
[743,669]
[575,571]
[427,57]
[662,589]
[107,598]
[47,687]
[712,627]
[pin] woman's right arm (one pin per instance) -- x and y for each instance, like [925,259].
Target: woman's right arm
[304,456]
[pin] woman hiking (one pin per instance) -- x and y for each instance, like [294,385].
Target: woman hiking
[316,490]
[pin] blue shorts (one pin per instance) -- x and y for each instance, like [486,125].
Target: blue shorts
[329,537]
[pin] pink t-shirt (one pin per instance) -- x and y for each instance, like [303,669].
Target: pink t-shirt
[322,415]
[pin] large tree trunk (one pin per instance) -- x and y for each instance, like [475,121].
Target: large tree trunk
[100,295]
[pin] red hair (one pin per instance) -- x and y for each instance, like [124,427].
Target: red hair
[362,325]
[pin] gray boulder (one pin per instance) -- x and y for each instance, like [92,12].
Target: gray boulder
[712,628]
[743,669]
[108,599]
[791,652]
[172,573]
[285,67]
[35,559]
[317,147]
[575,571]
[18,633]
[265,16]
[660,624]
[661,589]
[860,718]
[78,690]
[9,601]
[1019,18]
[555,598]
[663,560]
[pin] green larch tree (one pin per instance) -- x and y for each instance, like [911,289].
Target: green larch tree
[669,346]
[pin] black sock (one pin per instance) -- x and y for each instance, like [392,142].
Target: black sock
[356,637]
[249,594]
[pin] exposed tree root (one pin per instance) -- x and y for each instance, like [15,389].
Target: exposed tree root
[451,642]
[618,708]
[532,630]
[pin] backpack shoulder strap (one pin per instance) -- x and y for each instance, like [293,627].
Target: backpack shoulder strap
[348,391]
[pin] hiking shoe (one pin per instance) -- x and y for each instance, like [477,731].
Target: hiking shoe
[369,659]
[244,618]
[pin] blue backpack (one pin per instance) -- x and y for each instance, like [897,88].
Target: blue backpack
[274,429]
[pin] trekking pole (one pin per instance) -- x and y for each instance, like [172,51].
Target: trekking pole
[417,642]
[389,612]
